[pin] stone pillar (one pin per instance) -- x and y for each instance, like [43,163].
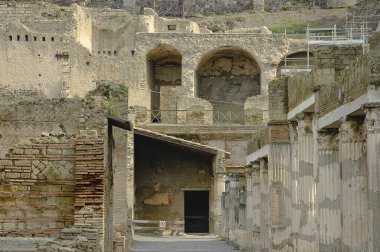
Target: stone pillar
[329,192]
[373,163]
[234,210]
[217,193]
[295,216]
[188,77]
[249,205]
[265,240]
[267,74]
[120,185]
[306,185]
[130,187]
[353,159]
[255,206]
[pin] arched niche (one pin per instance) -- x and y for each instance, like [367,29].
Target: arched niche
[226,77]
[164,69]
[295,62]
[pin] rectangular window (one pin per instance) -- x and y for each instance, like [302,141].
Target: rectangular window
[172,27]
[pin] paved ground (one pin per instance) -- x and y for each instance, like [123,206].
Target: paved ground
[206,243]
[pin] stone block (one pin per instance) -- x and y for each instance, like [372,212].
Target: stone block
[17,151]
[68,152]
[25,175]
[51,213]
[16,213]
[9,226]
[13,175]
[54,151]
[66,213]
[22,163]
[5,162]
[33,225]
[68,188]
[38,188]
[5,188]
[65,200]
[32,151]
[54,188]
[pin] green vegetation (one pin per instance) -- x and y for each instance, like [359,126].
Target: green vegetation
[293,26]
[116,95]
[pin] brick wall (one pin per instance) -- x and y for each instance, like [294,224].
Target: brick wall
[89,183]
[46,187]
[37,189]
[279,133]
[278,99]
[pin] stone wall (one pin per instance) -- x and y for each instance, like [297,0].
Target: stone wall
[162,173]
[318,180]
[38,188]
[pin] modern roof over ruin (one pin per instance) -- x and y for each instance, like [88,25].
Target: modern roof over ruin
[178,141]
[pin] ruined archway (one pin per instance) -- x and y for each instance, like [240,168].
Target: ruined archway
[295,62]
[164,69]
[226,77]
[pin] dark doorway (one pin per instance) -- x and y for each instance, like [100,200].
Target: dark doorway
[196,211]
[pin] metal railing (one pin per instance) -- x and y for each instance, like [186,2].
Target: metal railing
[348,35]
[295,65]
[356,35]
[234,117]
[216,116]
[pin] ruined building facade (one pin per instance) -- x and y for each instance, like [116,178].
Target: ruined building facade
[312,173]
[108,118]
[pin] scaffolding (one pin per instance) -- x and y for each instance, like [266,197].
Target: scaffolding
[291,65]
[355,33]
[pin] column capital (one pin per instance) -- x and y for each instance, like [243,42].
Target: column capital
[221,176]
[304,126]
[350,130]
[372,120]
[253,167]
[327,139]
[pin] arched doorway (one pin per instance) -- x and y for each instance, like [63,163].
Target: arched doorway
[164,69]
[226,78]
[295,62]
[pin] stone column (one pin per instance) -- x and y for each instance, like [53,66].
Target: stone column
[255,206]
[217,193]
[130,187]
[120,185]
[265,240]
[329,192]
[353,158]
[306,185]
[373,163]
[295,216]
[234,211]
[249,203]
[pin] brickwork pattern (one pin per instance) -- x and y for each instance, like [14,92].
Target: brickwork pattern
[37,189]
[89,184]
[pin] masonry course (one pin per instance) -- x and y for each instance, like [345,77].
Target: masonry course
[64,178]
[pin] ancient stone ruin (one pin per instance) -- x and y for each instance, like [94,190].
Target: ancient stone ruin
[116,120]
